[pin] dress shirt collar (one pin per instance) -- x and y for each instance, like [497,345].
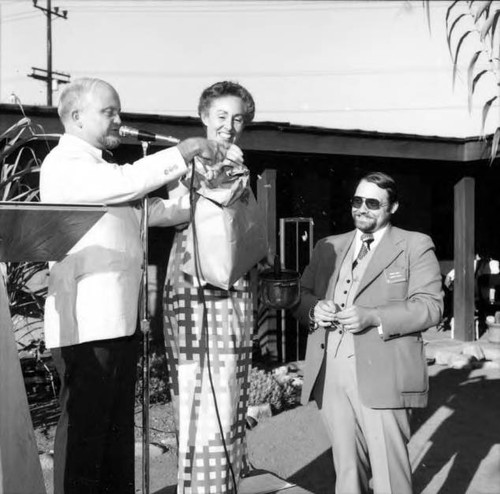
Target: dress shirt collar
[74,142]
[377,236]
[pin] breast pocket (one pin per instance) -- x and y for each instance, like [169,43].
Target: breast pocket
[396,283]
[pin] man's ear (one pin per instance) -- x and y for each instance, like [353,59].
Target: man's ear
[394,207]
[75,117]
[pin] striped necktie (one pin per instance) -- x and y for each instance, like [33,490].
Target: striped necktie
[366,239]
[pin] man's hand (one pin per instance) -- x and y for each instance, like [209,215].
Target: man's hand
[213,154]
[325,313]
[355,319]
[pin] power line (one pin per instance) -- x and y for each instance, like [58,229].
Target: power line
[48,75]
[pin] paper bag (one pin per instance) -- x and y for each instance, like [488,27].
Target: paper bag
[230,239]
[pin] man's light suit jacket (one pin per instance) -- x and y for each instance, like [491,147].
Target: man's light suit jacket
[93,292]
[403,282]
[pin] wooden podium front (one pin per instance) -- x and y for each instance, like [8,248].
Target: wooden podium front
[28,232]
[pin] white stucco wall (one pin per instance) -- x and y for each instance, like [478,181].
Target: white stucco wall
[370,65]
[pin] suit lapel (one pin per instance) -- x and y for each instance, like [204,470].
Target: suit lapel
[343,249]
[387,250]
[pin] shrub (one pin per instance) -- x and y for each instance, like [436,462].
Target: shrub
[19,181]
[266,388]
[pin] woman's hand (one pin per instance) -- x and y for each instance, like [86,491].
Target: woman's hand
[234,157]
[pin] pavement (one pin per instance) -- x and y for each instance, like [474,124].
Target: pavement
[454,448]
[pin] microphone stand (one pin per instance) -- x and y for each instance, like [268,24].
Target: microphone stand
[145,329]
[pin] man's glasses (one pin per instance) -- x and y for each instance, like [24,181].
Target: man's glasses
[357,202]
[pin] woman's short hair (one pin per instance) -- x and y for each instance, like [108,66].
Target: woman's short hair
[227,88]
[74,93]
[384,181]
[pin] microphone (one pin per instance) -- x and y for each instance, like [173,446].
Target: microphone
[144,135]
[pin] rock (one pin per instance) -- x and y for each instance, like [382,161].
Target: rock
[493,364]
[46,460]
[258,412]
[460,361]
[473,350]
[491,351]
[443,356]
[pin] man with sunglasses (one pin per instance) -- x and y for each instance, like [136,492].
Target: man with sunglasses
[366,296]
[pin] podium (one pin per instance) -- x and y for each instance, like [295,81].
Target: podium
[28,232]
[41,231]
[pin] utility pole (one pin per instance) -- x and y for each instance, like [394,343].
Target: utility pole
[48,74]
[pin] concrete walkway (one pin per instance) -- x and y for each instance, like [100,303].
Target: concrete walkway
[454,449]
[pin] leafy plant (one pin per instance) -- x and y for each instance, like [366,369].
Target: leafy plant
[158,378]
[19,181]
[266,388]
[476,22]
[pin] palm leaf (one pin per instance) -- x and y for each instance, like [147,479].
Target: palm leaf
[494,145]
[455,60]
[25,121]
[490,24]
[483,8]
[486,109]
[470,74]
[455,23]
[448,12]
[427,13]
[476,79]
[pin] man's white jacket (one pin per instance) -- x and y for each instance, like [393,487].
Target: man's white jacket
[93,292]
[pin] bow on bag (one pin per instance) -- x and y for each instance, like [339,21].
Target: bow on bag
[227,236]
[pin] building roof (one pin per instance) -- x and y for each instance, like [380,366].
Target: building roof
[288,138]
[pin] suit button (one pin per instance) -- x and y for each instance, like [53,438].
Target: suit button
[322,346]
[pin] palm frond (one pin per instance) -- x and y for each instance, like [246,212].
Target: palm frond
[494,145]
[470,77]
[476,79]
[489,26]
[427,9]
[448,12]
[459,45]
[482,8]
[450,32]
[486,109]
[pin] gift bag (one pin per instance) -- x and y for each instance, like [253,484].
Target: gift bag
[228,234]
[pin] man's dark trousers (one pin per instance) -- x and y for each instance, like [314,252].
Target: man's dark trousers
[94,443]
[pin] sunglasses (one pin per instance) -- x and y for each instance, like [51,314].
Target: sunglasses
[373,204]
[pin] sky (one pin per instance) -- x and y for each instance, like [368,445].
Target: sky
[369,65]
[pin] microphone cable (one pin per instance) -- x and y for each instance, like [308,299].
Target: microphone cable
[204,323]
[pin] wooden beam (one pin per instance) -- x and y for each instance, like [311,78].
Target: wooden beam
[463,289]
[266,198]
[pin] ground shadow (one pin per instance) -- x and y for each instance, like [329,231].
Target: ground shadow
[170,489]
[317,476]
[468,433]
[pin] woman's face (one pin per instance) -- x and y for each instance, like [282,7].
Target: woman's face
[225,119]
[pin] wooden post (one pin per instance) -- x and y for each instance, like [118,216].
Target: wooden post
[463,288]
[266,197]
[267,319]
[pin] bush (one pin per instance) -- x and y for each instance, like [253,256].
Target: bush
[266,388]
[19,181]
[158,378]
